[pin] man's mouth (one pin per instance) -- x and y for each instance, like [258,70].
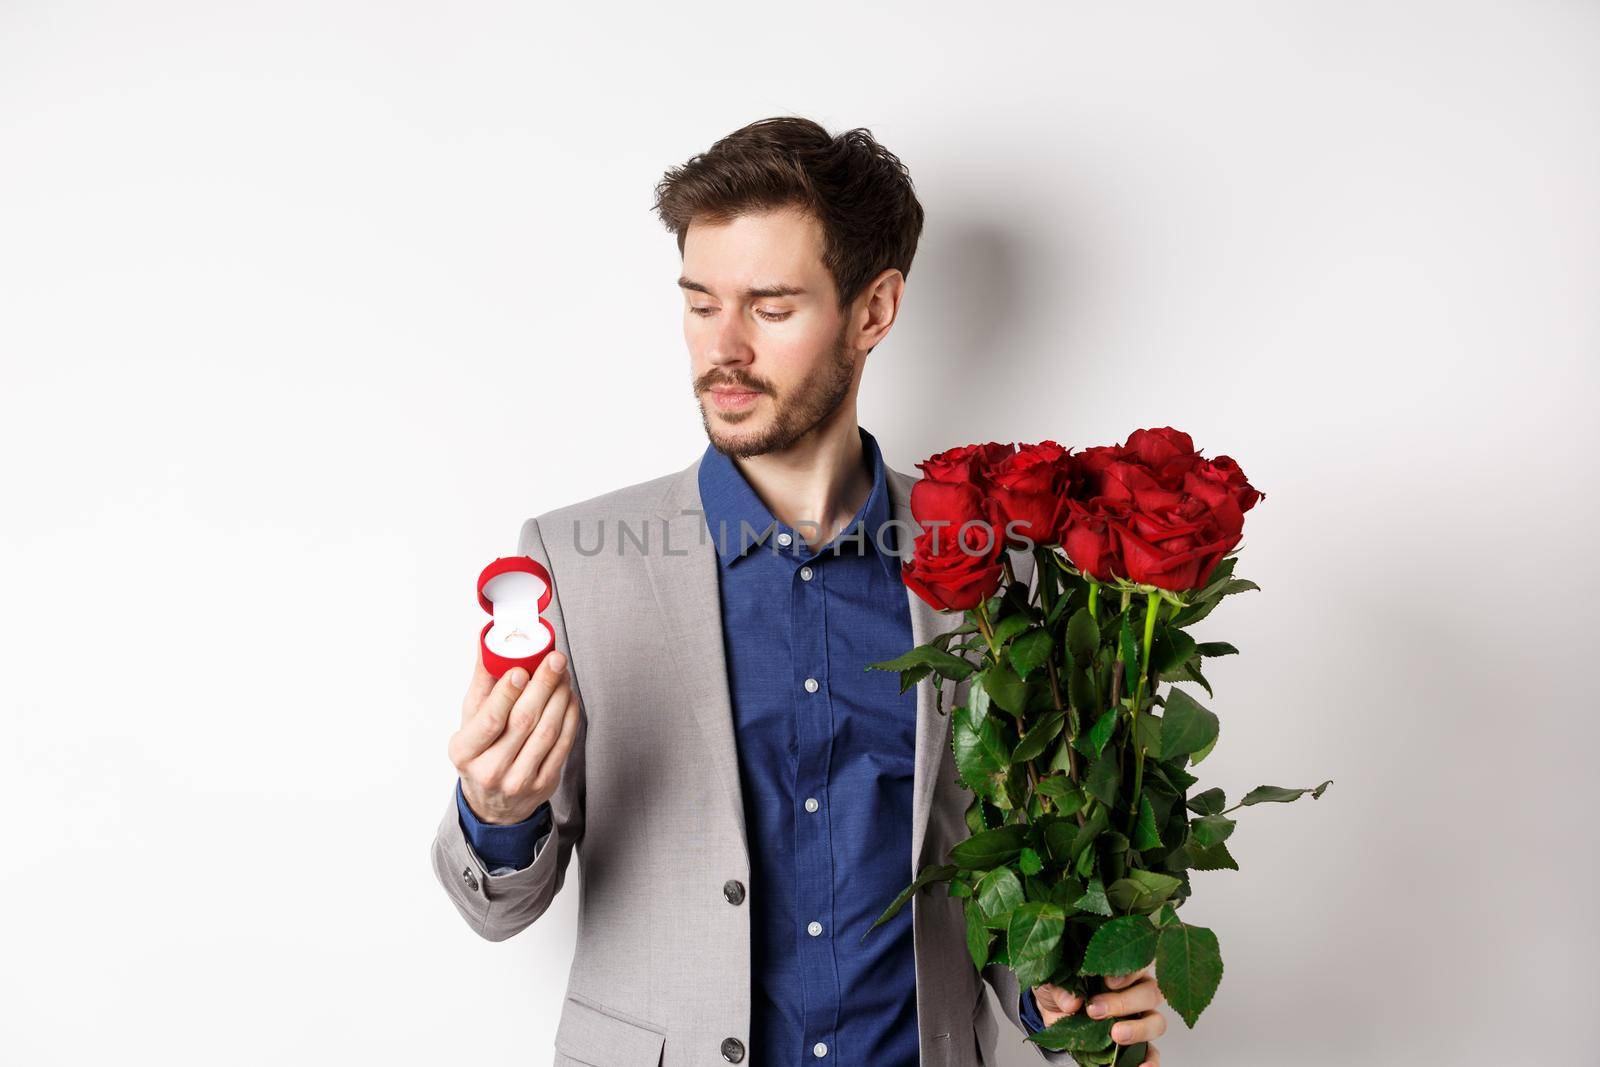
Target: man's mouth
[733,399]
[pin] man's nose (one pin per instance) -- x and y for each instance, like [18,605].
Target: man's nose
[731,342]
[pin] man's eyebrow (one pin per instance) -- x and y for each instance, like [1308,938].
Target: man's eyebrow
[758,291]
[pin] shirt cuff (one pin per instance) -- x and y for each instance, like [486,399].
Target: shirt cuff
[512,846]
[1030,1012]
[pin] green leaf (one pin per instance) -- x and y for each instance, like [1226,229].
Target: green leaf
[1211,830]
[1121,946]
[1186,726]
[1029,651]
[1103,778]
[1083,635]
[1076,1032]
[1030,862]
[981,747]
[1218,577]
[1141,890]
[1081,691]
[1035,931]
[911,677]
[1063,791]
[1277,794]
[1168,915]
[1148,730]
[950,666]
[1093,743]
[1033,744]
[1215,648]
[1086,833]
[1033,941]
[997,893]
[1238,585]
[1170,649]
[1145,835]
[929,875]
[990,848]
[1188,968]
[978,936]
[1006,688]
[1094,898]
[1211,802]
[1009,627]
[1200,754]
[1215,858]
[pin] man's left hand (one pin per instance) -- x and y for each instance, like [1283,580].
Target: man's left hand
[1132,1003]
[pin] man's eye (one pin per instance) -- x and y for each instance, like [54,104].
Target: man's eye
[702,310]
[774,316]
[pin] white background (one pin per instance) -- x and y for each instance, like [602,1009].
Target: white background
[304,307]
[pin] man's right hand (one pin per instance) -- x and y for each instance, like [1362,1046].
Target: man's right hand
[514,738]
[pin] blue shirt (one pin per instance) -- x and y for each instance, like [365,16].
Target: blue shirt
[826,753]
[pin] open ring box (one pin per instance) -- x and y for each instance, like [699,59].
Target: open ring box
[515,590]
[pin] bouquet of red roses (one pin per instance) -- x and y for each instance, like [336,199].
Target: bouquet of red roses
[1084,829]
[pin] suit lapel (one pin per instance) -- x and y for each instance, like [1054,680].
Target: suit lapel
[684,578]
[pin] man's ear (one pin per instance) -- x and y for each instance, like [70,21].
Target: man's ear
[880,303]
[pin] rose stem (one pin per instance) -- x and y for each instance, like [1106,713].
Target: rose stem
[1151,607]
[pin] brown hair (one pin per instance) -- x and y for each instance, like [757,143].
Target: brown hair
[858,190]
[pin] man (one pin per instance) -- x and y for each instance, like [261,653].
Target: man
[746,796]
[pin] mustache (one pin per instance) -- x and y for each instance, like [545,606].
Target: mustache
[708,381]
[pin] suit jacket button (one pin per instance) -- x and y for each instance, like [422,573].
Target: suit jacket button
[732,1049]
[471,879]
[734,891]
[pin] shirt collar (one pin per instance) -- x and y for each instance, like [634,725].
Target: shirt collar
[738,520]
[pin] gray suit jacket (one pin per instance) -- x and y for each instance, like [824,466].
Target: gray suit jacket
[650,800]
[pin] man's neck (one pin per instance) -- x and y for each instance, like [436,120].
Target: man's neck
[816,485]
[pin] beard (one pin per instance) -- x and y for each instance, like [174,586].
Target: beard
[803,409]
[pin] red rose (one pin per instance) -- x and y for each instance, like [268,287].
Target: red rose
[1030,488]
[1175,548]
[1153,511]
[965,463]
[1089,541]
[1213,478]
[951,580]
[1166,453]
[956,561]
[942,508]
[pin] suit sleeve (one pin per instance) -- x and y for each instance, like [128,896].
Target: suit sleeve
[497,902]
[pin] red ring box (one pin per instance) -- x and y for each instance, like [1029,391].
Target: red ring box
[515,590]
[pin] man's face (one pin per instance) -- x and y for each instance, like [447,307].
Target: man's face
[769,359]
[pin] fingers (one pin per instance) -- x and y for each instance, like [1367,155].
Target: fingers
[1152,1057]
[1141,996]
[1117,981]
[478,686]
[1146,1027]
[487,721]
[1055,1002]
[539,751]
[527,712]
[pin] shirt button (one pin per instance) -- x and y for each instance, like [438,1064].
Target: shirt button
[805,574]
[733,890]
[814,929]
[811,803]
[819,1050]
[784,539]
[732,1049]
[471,879]
[811,685]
